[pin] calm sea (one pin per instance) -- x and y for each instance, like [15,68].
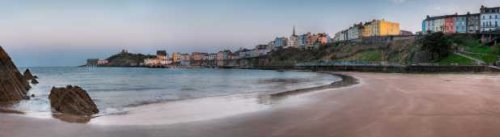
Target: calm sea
[115,88]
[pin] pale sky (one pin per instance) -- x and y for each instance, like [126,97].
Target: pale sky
[67,32]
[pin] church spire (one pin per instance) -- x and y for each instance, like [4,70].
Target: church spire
[294,31]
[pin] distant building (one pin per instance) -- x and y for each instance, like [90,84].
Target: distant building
[355,32]
[294,40]
[184,59]
[176,57]
[487,20]
[461,24]
[102,62]
[198,56]
[406,33]
[161,54]
[434,24]
[490,19]
[303,40]
[92,62]
[323,38]
[160,60]
[280,42]
[262,50]
[385,28]
[311,39]
[449,24]
[220,56]
[473,23]
[368,29]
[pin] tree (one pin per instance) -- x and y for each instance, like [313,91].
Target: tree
[437,45]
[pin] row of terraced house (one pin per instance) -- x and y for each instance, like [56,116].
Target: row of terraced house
[487,20]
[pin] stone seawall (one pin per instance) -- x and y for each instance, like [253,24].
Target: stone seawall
[388,69]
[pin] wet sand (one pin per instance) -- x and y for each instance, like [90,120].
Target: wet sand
[382,105]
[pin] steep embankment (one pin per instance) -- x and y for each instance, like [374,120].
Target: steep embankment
[437,48]
[398,51]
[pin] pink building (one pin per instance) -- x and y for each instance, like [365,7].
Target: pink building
[449,24]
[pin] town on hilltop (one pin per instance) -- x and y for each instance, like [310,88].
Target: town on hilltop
[472,40]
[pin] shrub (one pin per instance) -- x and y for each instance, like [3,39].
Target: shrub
[437,45]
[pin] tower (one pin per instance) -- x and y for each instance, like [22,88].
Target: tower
[294,31]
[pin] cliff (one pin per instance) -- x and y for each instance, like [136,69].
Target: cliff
[13,86]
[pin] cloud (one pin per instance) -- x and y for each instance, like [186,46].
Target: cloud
[400,1]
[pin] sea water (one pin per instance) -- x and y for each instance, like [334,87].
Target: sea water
[115,88]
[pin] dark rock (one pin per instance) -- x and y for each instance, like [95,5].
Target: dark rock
[72,100]
[32,95]
[13,86]
[34,81]
[27,75]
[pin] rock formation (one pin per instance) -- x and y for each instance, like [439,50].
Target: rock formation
[72,100]
[34,81]
[27,75]
[13,86]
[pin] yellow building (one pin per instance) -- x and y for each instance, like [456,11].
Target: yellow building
[367,30]
[175,57]
[380,28]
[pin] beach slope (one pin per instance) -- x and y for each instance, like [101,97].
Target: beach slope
[382,105]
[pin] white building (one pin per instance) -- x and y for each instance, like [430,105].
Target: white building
[490,18]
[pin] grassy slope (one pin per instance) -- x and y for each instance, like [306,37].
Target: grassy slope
[476,49]
[374,55]
[455,59]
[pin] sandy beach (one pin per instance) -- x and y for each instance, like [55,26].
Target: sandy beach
[381,105]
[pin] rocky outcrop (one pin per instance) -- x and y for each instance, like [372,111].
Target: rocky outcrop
[13,86]
[72,100]
[27,75]
[34,81]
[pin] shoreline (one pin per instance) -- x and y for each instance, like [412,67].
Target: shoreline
[345,80]
[382,105]
[254,101]
[125,111]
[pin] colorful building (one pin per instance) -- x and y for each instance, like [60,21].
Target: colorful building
[367,30]
[449,24]
[303,40]
[461,24]
[490,19]
[386,28]
[175,57]
[280,42]
[473,23]
[379,28]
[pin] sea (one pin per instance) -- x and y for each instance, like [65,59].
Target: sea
[113,89]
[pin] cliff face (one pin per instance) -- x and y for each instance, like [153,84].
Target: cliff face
[13,86]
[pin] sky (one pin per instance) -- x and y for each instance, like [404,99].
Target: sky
[39,33]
